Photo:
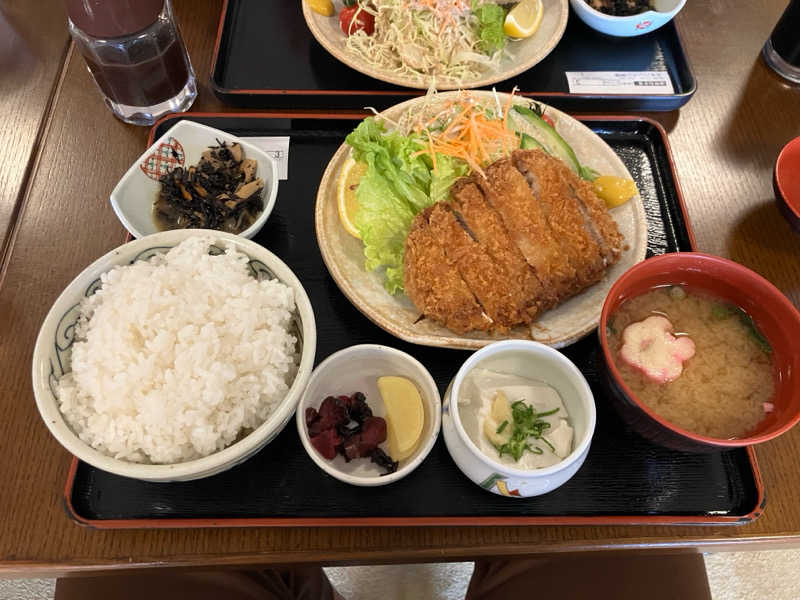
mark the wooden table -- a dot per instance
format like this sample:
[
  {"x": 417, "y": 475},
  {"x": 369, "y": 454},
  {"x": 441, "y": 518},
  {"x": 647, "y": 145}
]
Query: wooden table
[{"x": 725, "y": 142}]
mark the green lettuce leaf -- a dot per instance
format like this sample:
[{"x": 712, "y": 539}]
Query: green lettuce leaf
[
  {"x": 395, "y": 188},
  {"x": 448, "y": 169},
  {"x": 489, "y": 27}
]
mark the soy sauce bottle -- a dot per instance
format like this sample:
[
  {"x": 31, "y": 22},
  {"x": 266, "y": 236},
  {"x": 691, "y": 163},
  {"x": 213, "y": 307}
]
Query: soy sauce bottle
[{"x": 135, "y": 53}]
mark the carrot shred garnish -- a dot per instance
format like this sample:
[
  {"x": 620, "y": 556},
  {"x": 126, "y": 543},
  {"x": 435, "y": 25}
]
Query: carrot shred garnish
[{"x": 469, "y": 135}]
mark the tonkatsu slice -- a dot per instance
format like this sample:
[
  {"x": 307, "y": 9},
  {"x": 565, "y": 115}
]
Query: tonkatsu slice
[
  {"x": 433, "y": 283},
  {"x": 487, "y": 280},
  {"x": 508, "y": 193},
  {"x": 571, "y": 224},
  {"x": 487, "y": 227}
]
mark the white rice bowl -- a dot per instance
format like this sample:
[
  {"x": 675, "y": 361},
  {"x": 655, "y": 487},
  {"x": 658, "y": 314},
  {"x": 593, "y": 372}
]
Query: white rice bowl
[
  {"x": 176, "y": 355},
  {"x": 179, "y": 365}
]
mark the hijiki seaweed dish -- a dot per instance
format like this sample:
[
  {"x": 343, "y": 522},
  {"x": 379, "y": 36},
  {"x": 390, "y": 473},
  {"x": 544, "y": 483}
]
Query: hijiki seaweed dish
[
  {"x": 620, "y": 8},
  {"x": 221, "y": 192}
]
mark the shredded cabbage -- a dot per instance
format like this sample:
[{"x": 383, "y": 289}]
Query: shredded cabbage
[{"x": 442, "y": 39}]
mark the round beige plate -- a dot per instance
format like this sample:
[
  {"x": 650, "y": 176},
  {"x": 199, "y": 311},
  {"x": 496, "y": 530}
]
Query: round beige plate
[
  {"x": 522, "y": 54},
  {"x": 344, "y": 255}
]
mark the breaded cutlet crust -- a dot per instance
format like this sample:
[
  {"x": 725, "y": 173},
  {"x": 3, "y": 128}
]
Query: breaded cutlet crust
[
  {"x": 571, "y": 225},
  {"x": 488, "y": 281},
  {"x": 508, "y": 193},
  {"x": 433, "y": 283},
  {"x": 599, "y": 221},
  {"x": 487, "y": 226}
]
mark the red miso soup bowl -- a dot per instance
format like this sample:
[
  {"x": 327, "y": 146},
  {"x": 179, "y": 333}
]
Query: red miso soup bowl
[
  {"x": 774, "y": 315},
  {"x": 786, "y": 181}
]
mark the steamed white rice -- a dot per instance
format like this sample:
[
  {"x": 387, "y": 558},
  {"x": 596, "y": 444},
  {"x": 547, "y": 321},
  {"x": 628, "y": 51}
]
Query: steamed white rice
[{"x": 177, "y": 356}]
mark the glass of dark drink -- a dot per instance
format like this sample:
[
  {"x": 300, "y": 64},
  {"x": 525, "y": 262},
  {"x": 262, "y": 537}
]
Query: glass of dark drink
[
  {"x": 782, "y": 50},
  {"x": 135, "y": 53}
]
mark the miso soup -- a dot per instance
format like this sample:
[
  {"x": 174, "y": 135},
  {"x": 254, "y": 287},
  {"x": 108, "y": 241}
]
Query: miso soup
[{"x": 725, "y": 385}]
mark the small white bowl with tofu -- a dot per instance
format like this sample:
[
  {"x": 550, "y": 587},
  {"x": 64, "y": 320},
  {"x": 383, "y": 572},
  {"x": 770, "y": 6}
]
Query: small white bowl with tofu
[
  {"x": 250, "y": 182},
  {"x": 518, "y": 418}
]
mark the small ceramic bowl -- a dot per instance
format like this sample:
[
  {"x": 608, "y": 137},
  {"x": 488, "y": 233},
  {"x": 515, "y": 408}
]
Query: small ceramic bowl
[
  {"x": 535, "y": 361},
  {"x": 629, "y": 26},
  {"x": 776, "y": 318},
  {"x": 53, "y": 351},
  {"x": 182, "y": 146},
  {"x": 786, "y": 181},
  {"x": 356, "y": 369}
]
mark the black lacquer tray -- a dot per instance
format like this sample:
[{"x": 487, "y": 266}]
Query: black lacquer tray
[
  {"x": 266, "y": 57},
  {"x": 625, "y": 479}
]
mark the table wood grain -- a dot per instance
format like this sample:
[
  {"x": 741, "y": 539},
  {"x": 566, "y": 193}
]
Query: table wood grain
[
  {"x": 724, "y": 141},
  {"x": 33, "y": 41}
]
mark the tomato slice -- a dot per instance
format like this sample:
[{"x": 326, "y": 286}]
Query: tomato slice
[{"x": 353, "y": 18}]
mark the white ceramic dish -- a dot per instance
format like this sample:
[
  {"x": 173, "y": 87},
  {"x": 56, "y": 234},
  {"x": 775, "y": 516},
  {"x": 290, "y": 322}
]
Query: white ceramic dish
[
  {"x": 521, "y": 55},
  {"x": 571, "y": 320},
  {"x": 184, "y": 143},
  {"x": 356, "y": 369},
  {"x": 633, "y": 25},
  {"x": 534, "y": 361},
  {"x": 52, "y": 355}
]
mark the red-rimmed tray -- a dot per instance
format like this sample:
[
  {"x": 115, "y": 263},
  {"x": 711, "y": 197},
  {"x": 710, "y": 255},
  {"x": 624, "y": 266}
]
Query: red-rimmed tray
[{"x": 625, "y": 480}]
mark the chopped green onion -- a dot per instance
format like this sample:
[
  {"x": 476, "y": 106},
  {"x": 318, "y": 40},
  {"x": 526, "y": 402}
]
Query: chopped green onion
[
  {"x": 720, "y": 312},
  {"x": 526, "y": 423},
  {"x": 757, "y": 336}
]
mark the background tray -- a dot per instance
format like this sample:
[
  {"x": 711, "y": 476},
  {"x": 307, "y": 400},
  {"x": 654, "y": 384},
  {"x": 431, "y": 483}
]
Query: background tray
[
  {"x": 625, "y": 479},
  {"x": 266, "y": 57}
]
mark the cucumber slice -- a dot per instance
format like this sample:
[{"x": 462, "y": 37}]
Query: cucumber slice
[
  {"x": 527, "y": 142},
  {"x": 533, "y": 126}
]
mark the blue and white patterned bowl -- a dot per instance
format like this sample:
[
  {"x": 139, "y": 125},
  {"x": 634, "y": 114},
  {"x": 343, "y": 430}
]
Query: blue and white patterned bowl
[
  {"x": 52, "y": 357},
  {"x": 662, "y": 13}
]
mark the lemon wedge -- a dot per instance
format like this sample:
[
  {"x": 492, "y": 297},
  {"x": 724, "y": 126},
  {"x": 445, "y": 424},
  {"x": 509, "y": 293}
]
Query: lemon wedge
[
  {"x": 351, "y": 174},
  {"x": 405, "y": 415},
  {"x": 322, "y": 7},
  {"x": 615, "y": 191},
  {"x": 524, "y": 19}
]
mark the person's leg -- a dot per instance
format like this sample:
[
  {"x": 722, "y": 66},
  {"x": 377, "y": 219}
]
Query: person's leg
[
  {"x": 595, "y": 575},
  {"x": 290, "y": 583}
]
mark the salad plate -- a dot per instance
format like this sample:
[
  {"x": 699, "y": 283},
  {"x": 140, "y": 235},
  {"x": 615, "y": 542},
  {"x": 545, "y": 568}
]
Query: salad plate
[
  {"x": 571, "y": 320},
  {"x": 518, "y": 56}
]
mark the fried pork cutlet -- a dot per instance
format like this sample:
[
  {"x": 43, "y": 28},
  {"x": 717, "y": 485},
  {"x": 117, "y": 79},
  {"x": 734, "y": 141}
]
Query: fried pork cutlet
[
  {"x": 508, "y": 246},
  {"x": 487, "y": 227},
  {"x": 508, "y": 193},
  {"x": 570, "y": 223},
  {"x": 604, "y": 224},
  {"x": 487, "y": 280},
  {"x": 433, "y": 283},
  {"x": 598, "y": 220}
]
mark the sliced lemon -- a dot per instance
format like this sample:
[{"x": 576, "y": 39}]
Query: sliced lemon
[
  {"x": 351, "y": 174},
  {"x": 616, "y": 191},
  {"x": 322, "y": 7},
  {"x": 524, "y": 19},
  {"x": 405, "y": 415}
]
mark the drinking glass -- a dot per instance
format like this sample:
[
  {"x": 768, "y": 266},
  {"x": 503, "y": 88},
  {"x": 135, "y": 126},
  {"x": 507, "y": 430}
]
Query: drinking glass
[
  {"x": 135, "y": 53},
  {"x": 782, "y": 50}
]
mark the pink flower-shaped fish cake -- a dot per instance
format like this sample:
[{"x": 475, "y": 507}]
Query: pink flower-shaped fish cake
[{"x": 650, "y": 347}]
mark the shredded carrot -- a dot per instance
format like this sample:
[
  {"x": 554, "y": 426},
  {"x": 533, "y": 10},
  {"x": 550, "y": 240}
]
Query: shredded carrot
[
  {"x": 469, "y": 135},
  {"x": 431, "y": 150}
]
